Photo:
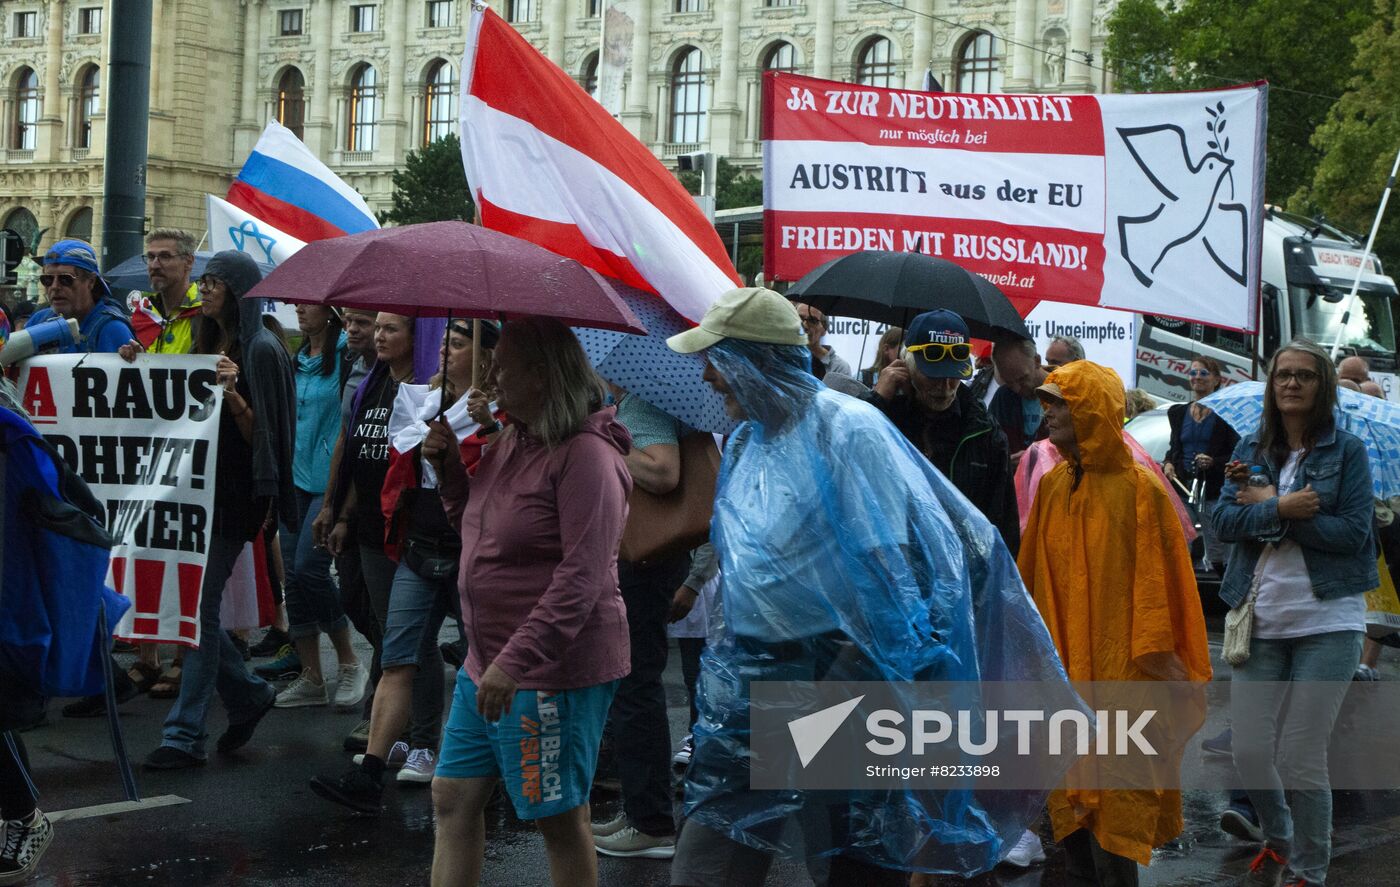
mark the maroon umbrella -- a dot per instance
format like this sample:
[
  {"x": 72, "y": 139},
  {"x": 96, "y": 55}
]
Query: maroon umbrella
[{"x": 447, "y": 268}]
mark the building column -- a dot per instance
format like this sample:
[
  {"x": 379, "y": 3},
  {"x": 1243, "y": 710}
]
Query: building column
[
  {"x": 320, "y": 126},
  {"x": 725, "y": 115},
  {"x": 1024, "y": 56},
  {"x": 637, "y": 115},
  {"x": 392, "y": 143},
  {"x": 1079, "y": 76},
  {"x": 826, "y": 26},
  {"x": 558, "y": 25},
  {"x": 245, "y": 133},
  {"x": 48, "y": 135},
  {"x": 923, "y": 44}
]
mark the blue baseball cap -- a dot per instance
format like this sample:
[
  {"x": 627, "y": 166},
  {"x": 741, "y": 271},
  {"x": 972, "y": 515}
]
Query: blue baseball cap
[
  {"x": 77, "y": 254},
  {"x": 950, "y": 354}
]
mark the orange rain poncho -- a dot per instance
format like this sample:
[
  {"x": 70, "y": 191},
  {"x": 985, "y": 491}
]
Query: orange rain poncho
[{"x": 1105, "y": 560}]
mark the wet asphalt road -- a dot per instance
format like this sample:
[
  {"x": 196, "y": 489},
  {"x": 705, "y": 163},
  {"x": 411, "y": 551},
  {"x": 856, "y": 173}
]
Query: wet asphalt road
[{"x": 250, "y": 818}]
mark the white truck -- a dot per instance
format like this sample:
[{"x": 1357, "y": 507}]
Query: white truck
[{"x": 1308, "y": 268}]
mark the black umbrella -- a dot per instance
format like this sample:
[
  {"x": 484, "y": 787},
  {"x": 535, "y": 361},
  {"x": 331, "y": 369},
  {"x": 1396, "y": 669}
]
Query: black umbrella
[{"x": 890, "y": 287}]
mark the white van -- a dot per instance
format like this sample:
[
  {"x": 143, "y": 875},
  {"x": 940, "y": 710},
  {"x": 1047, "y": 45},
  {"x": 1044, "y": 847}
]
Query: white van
[{"x": 1307, "y": 268}]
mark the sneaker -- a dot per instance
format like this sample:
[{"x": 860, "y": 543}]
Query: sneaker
[
  {"x": 357, "y": 740},
  {"x": 419, "y": 769},
  {"x": 350, "y": 685},
  {"x": 398, "y": 756},
  {"x": 271, "y": 644},
  {"x": 302, "y": 692},
  {"x": 1027, "y": 852},
  {"x": 1241, "y": 821},
  {"x": 1219, "y": 744},
  {"x": 169, "y": 758},
  {"x": 628, "y": 842},
  {"x": 237, "y": 735},
  {"x": 1366, "y": 673},
  {"x": 682, "y": 756},
  {"x": 25, "y": 843},
  {"x": 1266, "y": 870},
  {"x": 611, "y": 827},
  {"x": 355, "y": 790},
  {"x": 285, "y": 667}
]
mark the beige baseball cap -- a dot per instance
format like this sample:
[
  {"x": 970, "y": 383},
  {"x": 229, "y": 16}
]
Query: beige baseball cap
[{"x": 752, "y": 314}]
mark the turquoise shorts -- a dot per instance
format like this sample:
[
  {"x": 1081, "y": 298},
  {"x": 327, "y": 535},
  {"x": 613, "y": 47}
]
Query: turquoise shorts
[{"x": 545, "y": 747}]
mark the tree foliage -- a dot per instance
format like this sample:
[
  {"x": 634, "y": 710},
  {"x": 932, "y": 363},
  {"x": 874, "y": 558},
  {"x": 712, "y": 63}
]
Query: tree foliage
[
  {"x": 432, "y": 186},
  {"x": 1360, "y": 136},
  {"x": 733, "y": 187},
  {"x": 1304, "y": 48}
]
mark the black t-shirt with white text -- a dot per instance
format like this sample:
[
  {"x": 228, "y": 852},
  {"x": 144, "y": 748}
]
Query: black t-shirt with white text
[{"x": 369, "y": 453}]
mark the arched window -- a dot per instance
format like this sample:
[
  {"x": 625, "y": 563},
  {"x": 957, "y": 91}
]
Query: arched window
[
  {"x": 80, "y": 225},
  {"x": 780, "y": 57},
  {"x": 876, "y": 66},
  {"x": 690, "y": 97},
  {"x": 23, "y": 223},
  {"x": 364, "y": 109},
  {"x": 291, "y": 100},
  {"x": 588, "y": 76},
  {"x": 440, "y": 102},
  {"x": 88, "y": 85},
  {"x": 26, "y": 110},
  {"x": 979, "y": 68}
]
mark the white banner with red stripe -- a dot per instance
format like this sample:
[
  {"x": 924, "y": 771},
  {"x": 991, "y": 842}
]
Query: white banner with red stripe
[
  {"x": 145, "y": 438},
  {"x": 1148, "y": 203},
  {"x": 548, "y": 164}
]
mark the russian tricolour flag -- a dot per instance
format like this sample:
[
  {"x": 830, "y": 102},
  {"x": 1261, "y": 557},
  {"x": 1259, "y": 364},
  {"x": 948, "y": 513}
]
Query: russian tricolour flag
[
  {"x": 284, "y": 184},
  {"x": 548, "y": 164}
]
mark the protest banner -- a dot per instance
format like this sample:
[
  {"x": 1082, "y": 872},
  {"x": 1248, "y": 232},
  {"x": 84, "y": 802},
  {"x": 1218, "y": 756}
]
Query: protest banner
[
  {"x": 1109, "y": 337},
  {"x": 1150, "y": 203},
  {"x": 145, "y": 438}
]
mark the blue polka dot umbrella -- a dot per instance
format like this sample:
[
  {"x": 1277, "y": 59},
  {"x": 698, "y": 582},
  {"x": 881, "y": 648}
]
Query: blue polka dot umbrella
[
  {"x": 643, "y": 365},
  {"x": 1375, "y": 421}
]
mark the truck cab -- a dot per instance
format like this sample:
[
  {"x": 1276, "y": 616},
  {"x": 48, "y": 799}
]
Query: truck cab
[{"x": 1307, "y": 270}]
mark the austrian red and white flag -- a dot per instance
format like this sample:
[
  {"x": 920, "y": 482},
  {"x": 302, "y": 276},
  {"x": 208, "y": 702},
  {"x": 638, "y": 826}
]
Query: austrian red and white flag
[
  {"x": 548, "y": 164},
  {"x": 1148, "y": 203}
]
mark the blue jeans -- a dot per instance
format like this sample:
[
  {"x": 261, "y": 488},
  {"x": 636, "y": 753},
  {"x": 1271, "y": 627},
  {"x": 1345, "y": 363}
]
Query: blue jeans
[
  {"x": 215, "y": 664},
  {"x": 417, "y": 608},
  {"x": 1281, "y": 732},
  {"x": 313, "y": 601}
]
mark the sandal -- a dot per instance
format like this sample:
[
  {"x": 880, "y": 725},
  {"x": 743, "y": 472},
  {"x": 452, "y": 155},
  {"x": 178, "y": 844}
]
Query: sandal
[
  {"x": 144, "y": 675},
  {"x": 168, "y": 687}
]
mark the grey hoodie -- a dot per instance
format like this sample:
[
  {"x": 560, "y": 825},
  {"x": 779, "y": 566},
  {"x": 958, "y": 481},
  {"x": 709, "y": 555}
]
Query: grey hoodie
[{"x": 268, "y": 369}]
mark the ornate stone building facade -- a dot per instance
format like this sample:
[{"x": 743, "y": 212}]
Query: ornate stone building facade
[{"x": 366, "y": 81}]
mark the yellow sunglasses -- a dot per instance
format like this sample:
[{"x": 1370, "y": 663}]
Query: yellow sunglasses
[{"x": 936, "y": 351}]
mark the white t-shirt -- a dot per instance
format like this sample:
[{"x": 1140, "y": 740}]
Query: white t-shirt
[{"x": 1286, "y": 606}]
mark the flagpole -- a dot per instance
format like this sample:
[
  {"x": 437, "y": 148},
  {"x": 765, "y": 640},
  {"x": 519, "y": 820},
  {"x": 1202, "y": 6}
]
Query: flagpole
[{"x": 1361, "y": 265}]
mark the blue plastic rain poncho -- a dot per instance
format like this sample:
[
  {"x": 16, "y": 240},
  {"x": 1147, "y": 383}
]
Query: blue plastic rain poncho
[{"x": 846, "y": 556}]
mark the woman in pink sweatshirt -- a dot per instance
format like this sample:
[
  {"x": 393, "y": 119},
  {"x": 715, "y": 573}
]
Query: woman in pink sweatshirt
[{"x": 546, "y": 628}]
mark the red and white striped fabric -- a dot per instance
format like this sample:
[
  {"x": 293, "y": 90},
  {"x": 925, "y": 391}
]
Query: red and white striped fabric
[{"x": 548, "y": 164}]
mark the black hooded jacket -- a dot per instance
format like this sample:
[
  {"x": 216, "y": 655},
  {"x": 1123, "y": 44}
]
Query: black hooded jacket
[
  {"x": 267, "y": 367},
  {"x": 969, "y": 448}
]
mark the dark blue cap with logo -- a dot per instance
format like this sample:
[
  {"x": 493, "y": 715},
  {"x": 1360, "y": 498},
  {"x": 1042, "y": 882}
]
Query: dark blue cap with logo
[{"x": 944, "y": 328}]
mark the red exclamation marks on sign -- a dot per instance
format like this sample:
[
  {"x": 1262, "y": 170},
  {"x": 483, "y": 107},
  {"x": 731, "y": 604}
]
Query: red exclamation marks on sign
[
  {"x": 191, "y": 576},
  {"x": 150, "y": 576}
]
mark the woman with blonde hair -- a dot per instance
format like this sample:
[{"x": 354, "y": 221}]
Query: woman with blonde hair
[{"x": 886, "y": 353}]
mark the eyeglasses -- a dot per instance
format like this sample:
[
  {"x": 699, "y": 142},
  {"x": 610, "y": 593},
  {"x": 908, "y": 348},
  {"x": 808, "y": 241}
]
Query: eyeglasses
[
  {"x": 48, "y": 280},
  {"x": 208, "y": 283},
  {"x": 936, "y": 351},
  {"x": 1196, "y": 374},
  {"x": 162, "y": 258},
  {"x": 1302, "y": 377},
  {"x": 811, "y": 321}
]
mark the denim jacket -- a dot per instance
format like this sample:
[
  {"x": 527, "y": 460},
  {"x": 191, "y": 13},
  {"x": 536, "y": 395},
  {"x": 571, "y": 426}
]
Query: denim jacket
[{"x": 1338, "y": 542}]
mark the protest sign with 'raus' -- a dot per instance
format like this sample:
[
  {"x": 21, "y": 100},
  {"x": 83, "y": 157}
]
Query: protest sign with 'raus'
[
  {"x": 1150, "y": 203},
  {"x": 145, "y": 438}
]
